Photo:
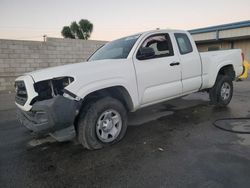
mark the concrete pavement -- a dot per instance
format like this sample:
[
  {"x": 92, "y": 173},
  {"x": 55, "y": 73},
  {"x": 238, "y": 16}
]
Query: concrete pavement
[{"x": 173, "y": 144}]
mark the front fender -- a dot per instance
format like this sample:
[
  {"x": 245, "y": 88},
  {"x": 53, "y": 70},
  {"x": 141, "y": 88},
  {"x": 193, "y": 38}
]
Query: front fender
[{"x": 82, "y": 91}]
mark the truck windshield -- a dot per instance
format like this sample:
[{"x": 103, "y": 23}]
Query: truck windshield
[{"x": 117, "y": 49}]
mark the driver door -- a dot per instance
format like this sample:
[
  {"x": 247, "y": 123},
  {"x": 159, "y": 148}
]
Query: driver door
[{"x": 159, "y": 76}]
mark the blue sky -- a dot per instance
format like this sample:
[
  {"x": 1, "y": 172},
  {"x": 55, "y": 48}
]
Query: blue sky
[{"x": 30, "y": 19}]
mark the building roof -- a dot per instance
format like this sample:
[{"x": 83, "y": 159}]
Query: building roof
[{"x": 234, "y": 25}]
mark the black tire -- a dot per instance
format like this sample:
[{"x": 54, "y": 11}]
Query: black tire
[
  {"x": 215, "y": 92},
  {"x": 87, "y": 124}
]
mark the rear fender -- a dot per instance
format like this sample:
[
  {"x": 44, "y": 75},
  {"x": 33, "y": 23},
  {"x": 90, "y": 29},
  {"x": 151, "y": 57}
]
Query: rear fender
[{"x": 214, "y": 74}]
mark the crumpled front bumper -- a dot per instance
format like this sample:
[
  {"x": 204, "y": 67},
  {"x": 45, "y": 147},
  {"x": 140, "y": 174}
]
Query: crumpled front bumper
[{"x": 55, "y": 115}]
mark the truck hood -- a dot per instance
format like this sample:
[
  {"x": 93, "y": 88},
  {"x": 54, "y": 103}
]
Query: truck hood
[
  {"x": 89, "y": 76},
  {"x": 75, "y": 70}
]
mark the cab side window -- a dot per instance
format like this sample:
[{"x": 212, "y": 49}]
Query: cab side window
[
  {"x": 161, "y": 45},
  {"x": 184, "y": 43}
]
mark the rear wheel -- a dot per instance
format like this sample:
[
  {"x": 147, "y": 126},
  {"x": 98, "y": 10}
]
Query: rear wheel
[
  {"x": 222, "y": 91},
  {"x": 102, "y": 123}
]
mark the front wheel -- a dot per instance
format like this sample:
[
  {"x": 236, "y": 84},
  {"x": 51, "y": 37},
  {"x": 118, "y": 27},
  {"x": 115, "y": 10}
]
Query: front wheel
[
  {"x": 222, "y": 91},
  {"x": 102, "y": 123}
]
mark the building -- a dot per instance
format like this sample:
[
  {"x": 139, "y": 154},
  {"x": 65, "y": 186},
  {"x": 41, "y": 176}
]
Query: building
[{"x": 226, "y": 36}]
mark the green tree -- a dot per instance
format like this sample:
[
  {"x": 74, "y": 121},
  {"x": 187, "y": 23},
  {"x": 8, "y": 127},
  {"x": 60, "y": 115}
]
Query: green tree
[
  {"x": 66, "y": 32},
  {"x": 75, "y": 29},
  {"x": 80, "y": 30},
  {"x": 86, "y": 28}
]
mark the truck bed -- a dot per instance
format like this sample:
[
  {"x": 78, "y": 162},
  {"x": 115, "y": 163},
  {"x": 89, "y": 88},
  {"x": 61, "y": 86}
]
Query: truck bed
[{"x": 215, "y": 59}]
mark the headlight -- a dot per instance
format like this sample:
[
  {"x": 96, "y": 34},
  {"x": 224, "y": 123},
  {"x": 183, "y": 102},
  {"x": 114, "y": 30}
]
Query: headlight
[{"x": 49, "y": 88}]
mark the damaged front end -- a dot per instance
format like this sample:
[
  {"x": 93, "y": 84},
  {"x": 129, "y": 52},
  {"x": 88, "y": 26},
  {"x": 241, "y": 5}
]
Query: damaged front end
[
  {"x": 47, "y": 107},
  {"x": 48, "y": 89}
]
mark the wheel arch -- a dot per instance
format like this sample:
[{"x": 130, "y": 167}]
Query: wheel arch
[
  {"x": 118, "y": 92},
  {"x": 225, "y": 69}
]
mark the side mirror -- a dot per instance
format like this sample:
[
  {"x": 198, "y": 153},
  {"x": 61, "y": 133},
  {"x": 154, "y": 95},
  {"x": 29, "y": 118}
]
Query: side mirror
[{"x": 145, "y": 53}]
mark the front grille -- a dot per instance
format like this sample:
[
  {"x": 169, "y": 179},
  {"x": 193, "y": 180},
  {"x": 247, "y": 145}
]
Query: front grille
[{"x": 21, "y": 93}]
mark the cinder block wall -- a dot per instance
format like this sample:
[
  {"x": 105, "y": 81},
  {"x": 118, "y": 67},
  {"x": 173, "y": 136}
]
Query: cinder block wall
[{"x": 18, "y": 57}]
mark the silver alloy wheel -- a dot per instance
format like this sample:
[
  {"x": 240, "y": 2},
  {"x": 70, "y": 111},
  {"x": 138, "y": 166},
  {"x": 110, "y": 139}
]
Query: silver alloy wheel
[
  {"x": 225, "y": 91},
  {"x": 109, "y": 126}
]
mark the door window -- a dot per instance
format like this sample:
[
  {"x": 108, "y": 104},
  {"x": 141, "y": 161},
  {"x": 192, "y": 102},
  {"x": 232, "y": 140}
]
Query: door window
[{"x": 161, "y": 44}]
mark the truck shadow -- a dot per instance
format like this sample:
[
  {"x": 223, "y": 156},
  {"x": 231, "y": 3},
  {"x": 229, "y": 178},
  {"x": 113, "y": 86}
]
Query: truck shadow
[
  {"x": 168, "y": 108},
  {"x": 156, "y": 133},
  {"x": 173, "y": 115},
  {"x": 160, "y": 119}
]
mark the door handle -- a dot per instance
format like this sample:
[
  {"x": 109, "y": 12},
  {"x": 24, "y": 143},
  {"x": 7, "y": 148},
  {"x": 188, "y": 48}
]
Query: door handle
[{"x": 174, "y": 63}]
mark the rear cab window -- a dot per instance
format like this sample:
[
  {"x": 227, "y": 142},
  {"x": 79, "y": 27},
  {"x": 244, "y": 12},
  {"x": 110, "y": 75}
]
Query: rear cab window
[{"x": 183, "y": 43}]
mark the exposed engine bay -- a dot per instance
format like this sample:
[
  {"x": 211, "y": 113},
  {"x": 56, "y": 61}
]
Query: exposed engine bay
[{"x": 50, "y": 88}]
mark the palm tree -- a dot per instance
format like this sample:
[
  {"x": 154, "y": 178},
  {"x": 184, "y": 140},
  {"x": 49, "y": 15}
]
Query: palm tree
[
  {"x": 86, "y": 28},
  {"x": 82, "y": 30},
  {"x": 66, "y": 32}
]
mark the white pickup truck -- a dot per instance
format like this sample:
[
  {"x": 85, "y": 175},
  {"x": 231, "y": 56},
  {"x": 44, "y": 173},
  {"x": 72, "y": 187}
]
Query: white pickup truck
[{"x": 90, "y": 100}]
